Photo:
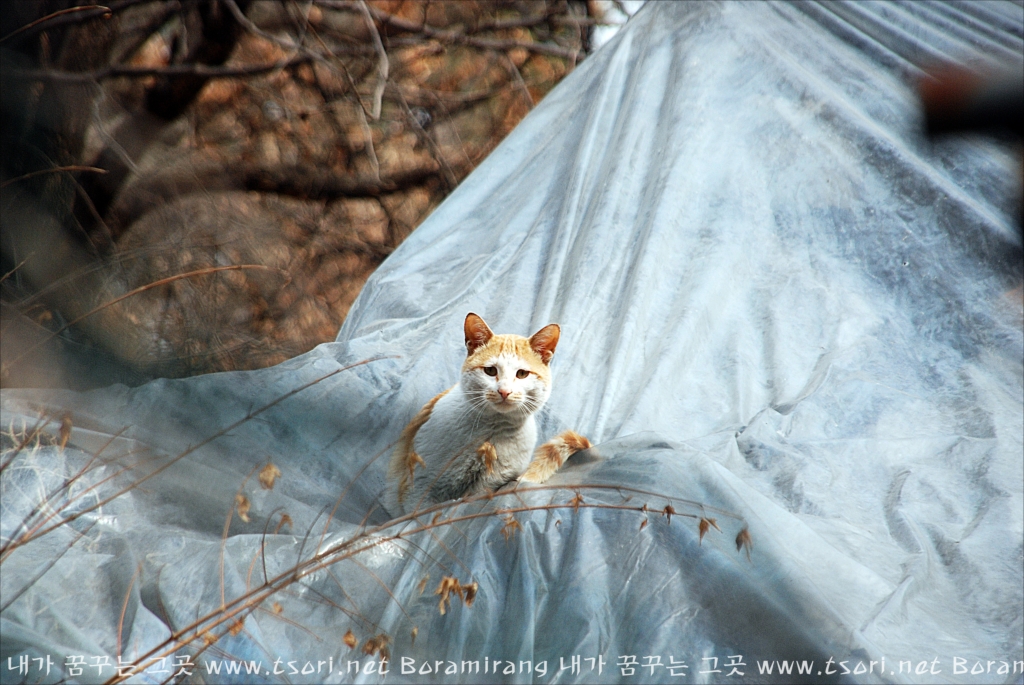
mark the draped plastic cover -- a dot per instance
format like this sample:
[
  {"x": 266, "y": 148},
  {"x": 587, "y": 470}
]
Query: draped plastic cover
[{"x": 781, "y": 309}]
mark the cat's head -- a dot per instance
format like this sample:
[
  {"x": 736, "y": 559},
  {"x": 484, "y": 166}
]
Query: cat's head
[{"x": 508, "y": 373}]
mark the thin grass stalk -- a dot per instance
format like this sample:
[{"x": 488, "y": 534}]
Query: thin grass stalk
[{"x": 248, "y": 417}]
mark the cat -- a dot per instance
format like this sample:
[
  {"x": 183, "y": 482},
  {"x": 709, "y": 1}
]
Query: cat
[{"x": 480, "y": 434}]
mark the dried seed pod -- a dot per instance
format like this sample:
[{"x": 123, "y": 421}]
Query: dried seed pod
[
  {"x": 668, "y": 511},
  {"x": 705, "y": 525},
  {"x": 65, "y": 430},
  {"x": 469, "y": 593},
  {"x": 510, "y": 527},
  {"x": 268, "y": 474},
  {"x": 242, "y": 506},
  {"x": 286, "y": 520},
  {"x": 378, "y": 644},
  {"x": 448, "y": 586},
  {"x": 744, "y": 541}
]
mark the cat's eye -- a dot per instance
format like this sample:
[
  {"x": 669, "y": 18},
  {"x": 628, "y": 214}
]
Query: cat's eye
[
  {"x": 522, "y": 373},
  {"x": 491, "y": 370}
]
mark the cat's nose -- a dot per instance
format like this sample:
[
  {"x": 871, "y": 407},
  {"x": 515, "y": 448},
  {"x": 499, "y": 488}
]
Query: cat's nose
[{"x": 504, "y": 393}]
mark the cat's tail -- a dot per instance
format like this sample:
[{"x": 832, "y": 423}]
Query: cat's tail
[{"x": 550, "y": 456}]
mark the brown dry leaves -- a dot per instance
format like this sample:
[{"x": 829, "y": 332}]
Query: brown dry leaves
[
  {"x": 668, "y": 511},
  {"x": 450, "y": 586},
  {"x": 378, "y": 644},
  {"x": 744, "y": 542},
  {"x": 65, "y": 430},
  {"x": 510, "y": 527},
  {"x": 268, "y": 474},
  {"x": 705, "y": 525},
  {"x": 286, "y": 520},
  {"x": 242, "y": 506}
]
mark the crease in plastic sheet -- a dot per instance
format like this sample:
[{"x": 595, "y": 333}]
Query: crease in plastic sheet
[{"x": 780, "y": 309}]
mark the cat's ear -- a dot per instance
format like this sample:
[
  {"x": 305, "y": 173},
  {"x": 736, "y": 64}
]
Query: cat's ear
[
  {"x": 544, "y": 341},
  {"x": 477, "y": 333}
]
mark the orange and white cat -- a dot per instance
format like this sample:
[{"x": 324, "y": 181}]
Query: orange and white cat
[{"x": 480, "y": 434}]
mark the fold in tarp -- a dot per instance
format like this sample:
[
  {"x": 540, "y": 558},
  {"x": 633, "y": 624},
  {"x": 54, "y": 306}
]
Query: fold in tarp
[{"x": 781, "y": 309}]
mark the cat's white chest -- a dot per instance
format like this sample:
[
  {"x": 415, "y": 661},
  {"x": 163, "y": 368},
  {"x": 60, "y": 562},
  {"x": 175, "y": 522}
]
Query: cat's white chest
[
  {"x": 451, "y": 440},
  {"x": 455, "y": 425}
]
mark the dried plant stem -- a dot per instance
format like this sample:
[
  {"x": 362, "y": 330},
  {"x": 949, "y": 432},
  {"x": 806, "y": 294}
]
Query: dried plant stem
[
  {"x": 64, "y": 487},
  {"x": 53, "y": 170},
  {"x": 11, "y": 272},
  {"x": 382, "y": 584},
  {"x": 227, "y": 527},
  {"x": 33, "y": 532},
  {"x": 26, "y": 439},
  {"x": 344, "y": 491},
  {"x": 248, "y": 417},
  {"x": 124, "y": 607},
  {"x": 249, "y": 601},
  {"x": 95, "y": 11},
  {"x": 46, "y": 567}
]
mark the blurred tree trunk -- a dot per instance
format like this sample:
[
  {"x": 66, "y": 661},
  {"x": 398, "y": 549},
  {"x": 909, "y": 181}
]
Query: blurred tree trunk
[{"x": 303, "y": 138}]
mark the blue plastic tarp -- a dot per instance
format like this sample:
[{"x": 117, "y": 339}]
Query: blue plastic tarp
[{"x": 781, "y": 308}]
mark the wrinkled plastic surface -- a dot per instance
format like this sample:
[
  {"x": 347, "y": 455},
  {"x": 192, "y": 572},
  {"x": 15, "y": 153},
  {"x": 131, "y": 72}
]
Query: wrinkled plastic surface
[{"x": 779, "y": 307}]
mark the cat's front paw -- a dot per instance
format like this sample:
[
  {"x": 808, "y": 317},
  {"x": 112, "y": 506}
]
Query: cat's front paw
[
  {"x": 550, "y": 456},
  {"x": 538, "y": 471}
]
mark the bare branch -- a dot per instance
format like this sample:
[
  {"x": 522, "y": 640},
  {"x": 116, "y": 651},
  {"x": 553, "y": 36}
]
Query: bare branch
[
  {"x": 115, "y": 71},
  {"x": 27, "y": 29},
  {"x": 52, "y": 170},
  {"x": 520, "y": 83},
  {"x": 303, "y": 181},
  {"x": 488, "y": 43},
  {"x": 421, "y": 31},
  {"x": 383, "y": 65},
  {"x": 295, "y": 47}
]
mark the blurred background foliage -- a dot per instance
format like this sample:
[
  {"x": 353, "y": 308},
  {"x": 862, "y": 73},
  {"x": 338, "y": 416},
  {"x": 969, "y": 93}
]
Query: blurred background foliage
[{"x": 192, "y": 186}]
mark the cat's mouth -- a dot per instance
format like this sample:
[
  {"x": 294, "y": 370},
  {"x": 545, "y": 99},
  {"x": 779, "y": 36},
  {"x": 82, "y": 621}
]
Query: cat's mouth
[{"x": 504, "y": 404}]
